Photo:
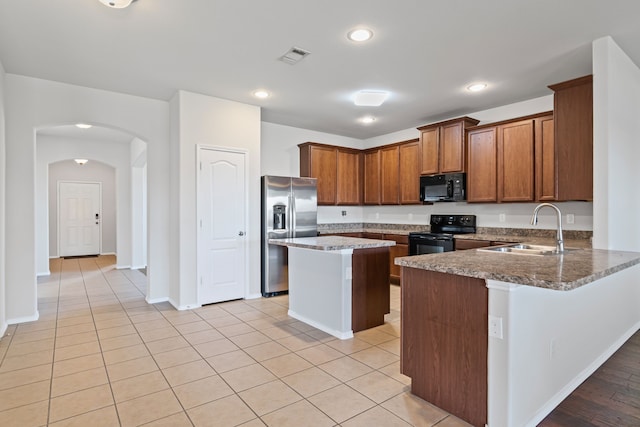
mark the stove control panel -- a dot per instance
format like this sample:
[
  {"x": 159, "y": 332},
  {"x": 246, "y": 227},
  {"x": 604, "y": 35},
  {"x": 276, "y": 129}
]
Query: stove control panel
[{"x": 453, "y": 223}]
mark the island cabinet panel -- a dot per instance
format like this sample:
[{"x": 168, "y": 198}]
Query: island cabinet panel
[
  {"x": 546, "y": 188},
  {"x": 369, "y": 288},
  {"x": 573, "y": 123},
  {"x": 410, "y": 173},
  {"x": 482, "y": 170},
  {"x": 372, "y": 177},
  {"x": 389, "y": 175},
  {"x": 444, "y": 341},
  {"x": 516, "y": 162}
]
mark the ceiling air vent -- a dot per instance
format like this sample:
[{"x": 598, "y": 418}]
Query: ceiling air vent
[{"x": 294, "y": 55}]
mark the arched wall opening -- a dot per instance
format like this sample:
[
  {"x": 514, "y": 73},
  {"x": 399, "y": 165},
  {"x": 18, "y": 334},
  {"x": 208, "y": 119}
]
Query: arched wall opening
[{"x": 124, "y": 216}]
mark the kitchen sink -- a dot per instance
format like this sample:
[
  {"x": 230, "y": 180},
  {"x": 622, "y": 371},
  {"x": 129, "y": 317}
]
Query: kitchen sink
[{"x": 524, "y": 249}]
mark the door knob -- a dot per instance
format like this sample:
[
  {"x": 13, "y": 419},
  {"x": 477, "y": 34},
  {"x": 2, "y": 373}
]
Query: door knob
[{"x": 240, "y": 233}]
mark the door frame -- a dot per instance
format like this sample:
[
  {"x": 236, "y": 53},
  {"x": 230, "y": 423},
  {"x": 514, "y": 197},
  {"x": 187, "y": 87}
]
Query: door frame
[
  {"x": 65, "y": 181},
  {"x": 247, "y": 235}
]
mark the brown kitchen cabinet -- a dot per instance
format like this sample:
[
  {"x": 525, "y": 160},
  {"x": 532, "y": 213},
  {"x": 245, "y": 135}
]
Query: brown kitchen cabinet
[
  {"x": 389, "y": 175},
  {"x": 337, "y": 169},
  {"x": 465, "y": 244},
  {"x": 409, "y": 172},
  {"x": 399, "y": 250},
  {"x": 482, "y": 173},
  {"x": 545, "y": 159},
  {"x": 516, "y": 161},
  {"x": 443, "y": 146},
  {"x": 371, "y": 181},
  {"x": 573, "y": 140},
  {"x": 504, "y": 159}
]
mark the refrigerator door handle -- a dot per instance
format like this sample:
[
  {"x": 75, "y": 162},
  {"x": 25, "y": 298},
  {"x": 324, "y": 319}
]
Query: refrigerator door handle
[{"x": 292, "y": 216}]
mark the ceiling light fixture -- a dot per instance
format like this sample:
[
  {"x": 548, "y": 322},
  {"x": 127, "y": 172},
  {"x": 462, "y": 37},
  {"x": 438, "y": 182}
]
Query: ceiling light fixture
[
  {"x": 477, "y": 87},
  {"x": 117, "y": 4},
  {"x": 262, "y": 94},
  {"x": 83, "y": 126},
  {"x": 368, "y": 119},
  {"x": 370, "y": 98},
  {"x": 81, "y": 162},
  {"x": 360, "y": 35}
]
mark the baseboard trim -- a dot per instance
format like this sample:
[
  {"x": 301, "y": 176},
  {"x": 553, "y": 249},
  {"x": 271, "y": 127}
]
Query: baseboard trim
[
  {"x": 123, "y": 267},
  {"x": 156, "y": 300},
  {"x": 3, "y": 329},
  {"x": 253, "y": 296},
  {"x": 338, "y": 334},
  {"x": 138, "y": 267},
  {"x": 183, "y": 307},
  {"x": 43, "y": 273},
  {"x": 24, "y": 319}
]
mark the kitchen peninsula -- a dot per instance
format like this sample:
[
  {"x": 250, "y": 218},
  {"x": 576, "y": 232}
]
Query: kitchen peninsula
[
  {"x": 338, "y": 284},
  {"x": 501, "y": 339}
]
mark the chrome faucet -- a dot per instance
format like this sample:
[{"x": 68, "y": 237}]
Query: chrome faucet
[{"x": 534, "y": 221}]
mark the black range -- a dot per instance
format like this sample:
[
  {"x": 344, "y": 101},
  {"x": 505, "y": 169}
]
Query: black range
[{"x": 440, "y": 238}]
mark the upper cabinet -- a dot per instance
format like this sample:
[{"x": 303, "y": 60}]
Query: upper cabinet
[
  {"x": 443, "y": 146},
  {"x": 505, "y": 159},
  {"x": 410, "y": 173},
  {"x": 389, "y": 175},
  {"x": 337, "y": 169},
  {"x": 392, "y": 174},
  {"x": 573, "y": 139}
]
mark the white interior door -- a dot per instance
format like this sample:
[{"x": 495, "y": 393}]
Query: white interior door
[
  {"x": 79, "y": 218},
  {"x": 221, "y": 225}
]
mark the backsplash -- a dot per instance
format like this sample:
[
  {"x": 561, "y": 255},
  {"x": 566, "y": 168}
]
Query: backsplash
[{"x": 356, "y": 227}]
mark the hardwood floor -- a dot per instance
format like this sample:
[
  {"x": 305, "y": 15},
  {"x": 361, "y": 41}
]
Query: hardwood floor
[{"x": 610, "y": 397}]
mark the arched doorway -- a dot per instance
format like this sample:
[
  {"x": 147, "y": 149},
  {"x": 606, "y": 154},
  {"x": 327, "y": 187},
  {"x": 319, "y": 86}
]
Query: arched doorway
[{"x": 56, "y": 147}]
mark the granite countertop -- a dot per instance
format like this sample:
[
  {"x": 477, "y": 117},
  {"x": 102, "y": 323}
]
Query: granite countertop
[
  {"x": 558, "y": 272},
  {"x": 531, "y": 240},
  {"x": 331, "y": 243}
]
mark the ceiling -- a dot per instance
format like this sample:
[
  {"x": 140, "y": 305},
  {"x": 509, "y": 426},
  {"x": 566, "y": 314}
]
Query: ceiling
[{"x": 424, "y": 52}]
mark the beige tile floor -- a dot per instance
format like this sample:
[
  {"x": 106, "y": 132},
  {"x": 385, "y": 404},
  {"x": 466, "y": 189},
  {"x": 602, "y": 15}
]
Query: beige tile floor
[{"x": 100, "y": 355}]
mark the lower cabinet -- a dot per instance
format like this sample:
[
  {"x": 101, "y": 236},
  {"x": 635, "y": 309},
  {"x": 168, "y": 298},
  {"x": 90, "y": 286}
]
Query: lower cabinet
[
  {"x": 399, "y": 250},
  {"x": 464, "y": 244}
]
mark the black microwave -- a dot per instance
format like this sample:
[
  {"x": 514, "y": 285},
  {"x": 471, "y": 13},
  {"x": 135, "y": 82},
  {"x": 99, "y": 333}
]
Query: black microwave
[{"x": 449, "y": 187}]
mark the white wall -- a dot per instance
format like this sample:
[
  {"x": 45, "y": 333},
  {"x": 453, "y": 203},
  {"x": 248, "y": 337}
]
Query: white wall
[
  {"x": 280, "y": 156},
  {"x": 552, "y": 341},
  {"x": 203, "y": 120},
  {"x": 32, "y": 104},
  {"x": 138, "y": 203},
  {"x": 92, "y": 171},
  {"x": 616, "y": 126},
  {"x": 3, "y": 312}
]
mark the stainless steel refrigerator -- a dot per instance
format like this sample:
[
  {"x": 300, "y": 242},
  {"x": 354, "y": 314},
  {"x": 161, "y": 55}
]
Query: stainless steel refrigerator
[{"x": 289, "y": 209}]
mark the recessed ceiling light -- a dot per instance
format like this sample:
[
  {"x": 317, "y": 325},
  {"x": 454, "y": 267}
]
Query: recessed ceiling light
[
  {"x": 477, "y": 87},
  {"x": 83, "y": 126},
  {"x": 368, "y": 119},
  {"x": 262, "y": 94},
  {"x": 81, "y": 162},
  {"x": 117, "y": 4},
  {"x": 370, "y": 98},
  {"x": 360, "y": 35}
]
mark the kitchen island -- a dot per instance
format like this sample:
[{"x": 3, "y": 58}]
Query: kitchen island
[
  {"x": 338, "y": 284},
  {"x": 501, "y": 339}
]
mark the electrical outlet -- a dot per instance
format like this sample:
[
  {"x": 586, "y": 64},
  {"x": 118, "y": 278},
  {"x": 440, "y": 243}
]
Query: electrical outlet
[
  {"x": 495, "y": 327},
  {"x": 571, "y": 218},
  {"x": 502, "y": 217},
  {"x": 344, "y": 213}
]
